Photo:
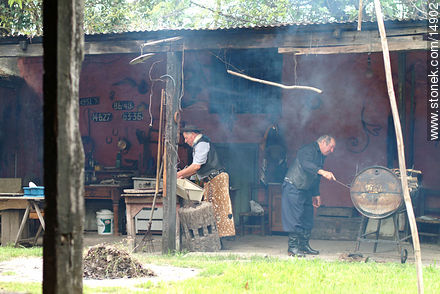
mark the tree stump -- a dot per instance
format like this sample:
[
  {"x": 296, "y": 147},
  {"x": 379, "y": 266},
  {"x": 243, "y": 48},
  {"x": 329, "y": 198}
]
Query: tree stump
[{"x": 199, "y": 230}]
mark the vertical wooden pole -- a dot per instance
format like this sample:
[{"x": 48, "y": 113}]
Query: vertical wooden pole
[
  {"x": 173, "y": 85},
  {"x": 400, "y": 147},
  {"x": 412, "y": 110},
  {"x": 63, "y": 152},
  {"x": 361, "y": 7},
  {"x": 402, "y": 92}
]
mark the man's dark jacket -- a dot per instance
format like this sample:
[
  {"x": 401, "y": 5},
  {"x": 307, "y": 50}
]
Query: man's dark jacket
[{"x": 304, "y": 171}]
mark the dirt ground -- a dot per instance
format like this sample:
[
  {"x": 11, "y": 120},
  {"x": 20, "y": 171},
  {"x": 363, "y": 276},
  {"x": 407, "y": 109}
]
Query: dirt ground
[
  {"x": 276, "y": 245},
  {"x": 30, "y": 269}
]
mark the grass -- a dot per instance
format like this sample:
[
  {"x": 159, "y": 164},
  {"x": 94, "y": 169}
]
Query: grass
[
  {"x": 262, "y": 275},
  {"x": 10, "y": 252},
  {"x": 13, "y": 287},
  {"x": 235, "y": 274}
]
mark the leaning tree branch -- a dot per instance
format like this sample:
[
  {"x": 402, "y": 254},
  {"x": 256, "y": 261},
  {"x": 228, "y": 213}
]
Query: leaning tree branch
[
  {"x": 400, "y": 147},
  {"x": 273, "y": 83}
]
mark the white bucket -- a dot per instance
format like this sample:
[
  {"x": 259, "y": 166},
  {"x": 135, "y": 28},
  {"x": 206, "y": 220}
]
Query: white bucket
[{"x": 104, "y": 220}]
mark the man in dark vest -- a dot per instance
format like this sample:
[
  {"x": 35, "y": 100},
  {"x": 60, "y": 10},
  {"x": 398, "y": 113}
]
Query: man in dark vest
[
  {"x": 208, "y": 169},
  {"x": 301, "y": 193}
]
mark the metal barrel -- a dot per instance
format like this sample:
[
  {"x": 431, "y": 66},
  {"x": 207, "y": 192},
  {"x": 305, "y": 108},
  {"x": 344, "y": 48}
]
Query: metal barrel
[{"x": 376, "y": 192}]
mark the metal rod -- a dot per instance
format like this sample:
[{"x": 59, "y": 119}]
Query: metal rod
[{"x": 346, "y": 186}]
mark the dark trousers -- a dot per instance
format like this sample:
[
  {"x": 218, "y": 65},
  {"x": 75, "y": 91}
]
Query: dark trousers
[{"x": 296, "y": 209}]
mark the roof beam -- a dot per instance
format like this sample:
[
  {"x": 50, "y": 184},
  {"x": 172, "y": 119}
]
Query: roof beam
[{"x": 394, "y": 44}]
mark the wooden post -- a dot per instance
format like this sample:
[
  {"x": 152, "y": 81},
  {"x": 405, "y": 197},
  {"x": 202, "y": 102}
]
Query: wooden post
[
  {"x": 402, "y": 92},
  {"x": 412, "y": 110},
  {"x": 400, "y": 147},
  {"x": 63, "y": 151},
  {"x": 361, "y": 7},
  {"x": 173, "y": 78}
]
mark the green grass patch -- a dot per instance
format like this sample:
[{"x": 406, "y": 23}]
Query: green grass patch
[
  {"x": 10, "y": 252},
  {"x": 13, "y": 287},
  {"x": 229, "y": 274},
  {"x": 235, "y": 274}
]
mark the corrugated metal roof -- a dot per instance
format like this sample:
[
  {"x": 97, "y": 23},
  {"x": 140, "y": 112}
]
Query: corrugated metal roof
[
  {"x": 171, "y": 31},
  {"x": 269, "y": 26}
]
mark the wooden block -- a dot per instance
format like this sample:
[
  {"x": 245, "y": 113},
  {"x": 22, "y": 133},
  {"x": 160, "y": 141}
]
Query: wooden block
[
  {"x": 11, "y": 220},
  {"x": 335, "y": 211},
  {"x": 10, "y": 185},
  {"x": 34, "y": 214}
]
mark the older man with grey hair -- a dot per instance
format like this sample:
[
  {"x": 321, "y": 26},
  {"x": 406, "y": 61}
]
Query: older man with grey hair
[{"x": 301, "y": 193}]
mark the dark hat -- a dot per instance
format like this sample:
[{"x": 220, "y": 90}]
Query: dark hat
[{"x": 190, "y": 128}]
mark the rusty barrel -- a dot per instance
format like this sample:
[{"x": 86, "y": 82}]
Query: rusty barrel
[{"x": 376, "y": 192}]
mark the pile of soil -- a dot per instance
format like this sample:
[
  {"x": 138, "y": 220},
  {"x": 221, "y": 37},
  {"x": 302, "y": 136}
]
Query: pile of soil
[{"x": 107, "y": 262}]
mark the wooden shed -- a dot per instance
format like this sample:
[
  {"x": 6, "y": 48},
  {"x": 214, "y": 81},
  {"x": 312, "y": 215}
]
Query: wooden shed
[{"x": 257, "y": 128}]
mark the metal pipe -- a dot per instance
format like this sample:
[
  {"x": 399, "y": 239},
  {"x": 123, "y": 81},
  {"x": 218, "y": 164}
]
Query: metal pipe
[{"x": 346, "y": 186}]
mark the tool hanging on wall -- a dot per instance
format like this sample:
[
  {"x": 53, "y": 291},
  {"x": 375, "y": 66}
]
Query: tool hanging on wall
[{"x": 148, "y": 239}]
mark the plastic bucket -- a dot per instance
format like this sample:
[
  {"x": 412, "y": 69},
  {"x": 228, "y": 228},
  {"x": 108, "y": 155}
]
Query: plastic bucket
[{"x": 104, "y": 221}]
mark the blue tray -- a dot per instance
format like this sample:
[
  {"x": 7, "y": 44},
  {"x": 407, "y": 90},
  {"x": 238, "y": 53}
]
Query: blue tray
[{"x": 34, "y": 191}]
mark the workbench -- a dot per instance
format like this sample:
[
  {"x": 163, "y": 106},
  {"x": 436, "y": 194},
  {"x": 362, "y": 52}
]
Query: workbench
[
  {"x": 106, "y": 192},
  {"x": 135, "y": 202},
  {"x": 11, "y": 206}
]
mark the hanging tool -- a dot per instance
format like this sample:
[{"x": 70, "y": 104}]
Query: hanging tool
[{"x": 148, "y": 239}]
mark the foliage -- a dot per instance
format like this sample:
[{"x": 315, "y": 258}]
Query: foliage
[
  {"x": 106, "y": 16},
  {"x": 21, "y": 17}
]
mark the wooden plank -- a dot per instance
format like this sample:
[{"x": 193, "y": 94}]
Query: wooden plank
[
  {"x": 140, "y": 191},
  {"x": 63, "y": 150},
  {"x": 299, "y": 43},
  {"x": 6, "y": 204},
  {"x": 173, "y": 88},
  {"x": 10, "y": 224},
  {"x": 418, "y": 44},
  {"x": 11, "y": 194},
  {"x": 138, "y": 195},
  {"x": 10, "y": 185}
]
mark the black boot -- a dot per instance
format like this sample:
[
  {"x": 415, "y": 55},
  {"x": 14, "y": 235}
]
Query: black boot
[
  {"x": 305, "y": 246},
  {"x": 293, "y": 245}
]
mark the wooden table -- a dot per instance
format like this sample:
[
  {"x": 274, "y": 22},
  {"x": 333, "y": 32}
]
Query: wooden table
[
  {"x": 134, "y": 203},
  {"x": 106, "y": 192},
  {"x": 19, "y": 203}
]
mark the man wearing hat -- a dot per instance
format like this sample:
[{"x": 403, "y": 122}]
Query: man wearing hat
[{"x": 208, "y": 169}]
